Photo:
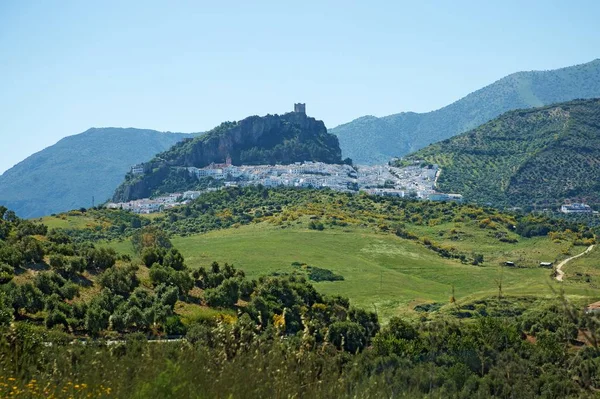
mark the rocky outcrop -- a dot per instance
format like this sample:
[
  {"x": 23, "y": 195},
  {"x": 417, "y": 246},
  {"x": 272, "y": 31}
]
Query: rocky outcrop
[{"x": 282, "y": 139}]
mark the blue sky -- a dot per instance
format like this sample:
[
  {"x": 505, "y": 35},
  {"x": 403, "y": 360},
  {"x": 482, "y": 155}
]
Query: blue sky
[{"x": 183, "y": 66}]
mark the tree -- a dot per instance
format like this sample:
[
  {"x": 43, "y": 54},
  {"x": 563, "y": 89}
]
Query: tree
[
  {"x": 96, "y": 320},
  {"x": 120, "y": 280},
  {"x": 134, "y": 318},
  {"x": 31, "y": 249},
  {"x": 152, "y": 255},
  {"x": 167, "y": 295},
  {"x": 150, "y": 237},
  {"x": 6, "y": 313},
  {"x": 29, "y": 298},
  {"x": 101, "y": 258},
  {"x": 58, "y": 263},
  {"x": 58, "y": 237},
  {"x": 367, "y": 320},
  {"x": 401, "y": 329},
  {"x": 159, "y": 274},
  {"x": 174, "y": 260},
  {"x": 56, "y": 317},
  {"x": 347, "y": 335},
  {"x": 11, "y": 255},
  {"x": 7, "y": 272},
  {"x": 225, "y": 295}
]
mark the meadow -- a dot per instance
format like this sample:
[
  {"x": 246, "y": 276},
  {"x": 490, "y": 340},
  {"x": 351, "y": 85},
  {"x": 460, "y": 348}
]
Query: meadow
[
  {"x": 392, "y": 254},
  {"x": 381, "y": 271}
]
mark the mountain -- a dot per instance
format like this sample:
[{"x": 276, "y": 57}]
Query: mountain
[
  {"x": 271, "y": 139},
  {"x": 534, "y": 157},
  {"x": 68, "y": 174},
  {"x": 376, "y": 140}
]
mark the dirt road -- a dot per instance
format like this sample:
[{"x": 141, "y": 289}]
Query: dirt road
[{"x": 559, "y": 273}]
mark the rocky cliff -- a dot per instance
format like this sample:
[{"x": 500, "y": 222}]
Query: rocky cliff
[{"x": 271, "y": 139}]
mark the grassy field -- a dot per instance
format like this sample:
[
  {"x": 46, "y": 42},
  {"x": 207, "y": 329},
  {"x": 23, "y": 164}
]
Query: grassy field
[
  {"x": 584, "y": 270},
  {"x": 526, "y": 252},
  {"x": 380, "y": 271},
  {"x": 71, "y": 220}
]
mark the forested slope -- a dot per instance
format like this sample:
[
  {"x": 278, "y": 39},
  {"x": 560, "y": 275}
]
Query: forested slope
[{"x": 537, "y": 157}]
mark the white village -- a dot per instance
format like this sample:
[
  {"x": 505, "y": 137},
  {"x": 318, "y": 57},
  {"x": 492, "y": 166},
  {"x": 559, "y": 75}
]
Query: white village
[{"x": 416, "y": 181}]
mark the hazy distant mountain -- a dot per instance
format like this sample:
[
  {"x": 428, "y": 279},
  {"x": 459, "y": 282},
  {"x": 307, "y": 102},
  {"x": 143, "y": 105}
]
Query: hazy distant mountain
[
  {"x": 534, "y": 157},
  {"x": 68, "y": 174},
  {"x": 373, "y": 140}
]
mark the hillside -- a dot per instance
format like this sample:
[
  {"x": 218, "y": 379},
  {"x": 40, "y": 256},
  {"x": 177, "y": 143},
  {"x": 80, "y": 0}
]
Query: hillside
[
  {"x": 376, "y": 140},
  {"x": 283, "y": 139},
  {"x": 537, "y": 157},
  {"x": 390, "y": 252},
  {"x": 68, "y": 174},
  {"x": 339, "y": 296}
]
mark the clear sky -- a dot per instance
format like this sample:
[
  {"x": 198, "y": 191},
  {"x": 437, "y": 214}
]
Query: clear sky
[{"x": 66, "y": 66}]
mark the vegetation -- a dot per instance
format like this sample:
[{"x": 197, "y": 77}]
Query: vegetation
[
  {"x": 257, "y": 333},
  {"x": 393, "y": 254},
  {"x": 56, "y": 277},
  {"x": 549, "y": 350},
  {"x": 533, "y": 158},
  {"x": 288, "y": 138},
  {"x": 78, "y": 168},
  {"x": 377, "y": 140}
]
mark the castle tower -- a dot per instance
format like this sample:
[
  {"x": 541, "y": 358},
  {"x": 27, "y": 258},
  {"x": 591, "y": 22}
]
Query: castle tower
[{"x": 300, "y": 108}]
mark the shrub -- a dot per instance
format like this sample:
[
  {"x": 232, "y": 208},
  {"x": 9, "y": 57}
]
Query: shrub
[
  {"x": 318, "y": 274},
  {"x": 347, "y": 335}
]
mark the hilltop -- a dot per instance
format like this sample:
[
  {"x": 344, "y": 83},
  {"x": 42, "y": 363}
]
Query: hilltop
[
  {"x": 375, "y": 140},
  {"x": 69, "y": 173},
  {"x": 537, "y": 157},
  {"x": 271, "y": 139}
]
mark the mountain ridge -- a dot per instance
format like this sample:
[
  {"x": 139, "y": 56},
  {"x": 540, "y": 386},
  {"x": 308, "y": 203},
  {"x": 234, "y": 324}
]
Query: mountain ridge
[
  {"x": 378, "y": 139},
  {"x": 69, "y": 173}
]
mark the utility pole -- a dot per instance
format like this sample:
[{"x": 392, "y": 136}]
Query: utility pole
[{"x": 93, "y": 201}]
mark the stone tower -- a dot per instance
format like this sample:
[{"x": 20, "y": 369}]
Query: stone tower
[{"x": 300, "y": 107}]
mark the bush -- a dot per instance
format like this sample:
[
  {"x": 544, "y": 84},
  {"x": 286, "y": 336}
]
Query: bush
[
  {"x": 318, "y": 274},
  {"x": 174, "y": 326},
  {"x": 347, "y": 335}
]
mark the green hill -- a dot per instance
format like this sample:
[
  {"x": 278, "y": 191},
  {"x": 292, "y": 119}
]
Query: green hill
[
  {"x": 284, "y": 139},
  {"x": 374, "y": 140},
  {"x": 68, "y": 174},
  {"x": 391, "y": 253},
  {"x": 537, "y": 157}
]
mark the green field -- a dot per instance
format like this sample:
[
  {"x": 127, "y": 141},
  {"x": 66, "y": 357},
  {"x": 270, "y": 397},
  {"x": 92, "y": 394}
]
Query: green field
[
  {"x": 380, "y": 271},
  {"x": 71, "y": 220},
  {"x": 584, "y": 270},
  {"x": 526, "y": 252}
]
